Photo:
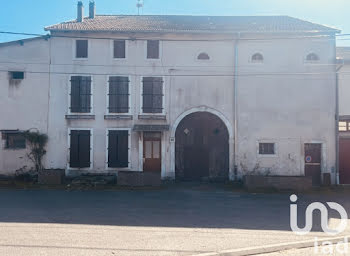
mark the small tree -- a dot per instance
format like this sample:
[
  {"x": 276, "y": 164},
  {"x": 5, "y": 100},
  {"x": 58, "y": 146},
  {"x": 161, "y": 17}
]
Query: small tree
[{"x": 37, "y": 142}]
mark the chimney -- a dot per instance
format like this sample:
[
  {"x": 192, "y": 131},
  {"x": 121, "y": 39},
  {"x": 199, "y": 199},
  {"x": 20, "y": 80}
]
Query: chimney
[
  {"x": 80, "y": 11},
  {"x": 92, "y": 9}
]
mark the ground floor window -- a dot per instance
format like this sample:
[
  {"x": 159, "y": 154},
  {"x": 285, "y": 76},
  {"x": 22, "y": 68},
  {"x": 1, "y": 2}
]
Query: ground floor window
[
  {"x": 14, "y": 140},
  {"x": 80, "y": 149},
  {"x": 118, "y": 148},
  {"x": 267, "y": 148}
]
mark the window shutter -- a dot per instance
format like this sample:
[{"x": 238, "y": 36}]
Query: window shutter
[
  {"x": 112, "y": 149},
  {"x": 80, "y": 94},
  {"x": 80, "y": 149},
  {"x": 84, "y": 149},
  {"x": 123, "y": 149},
  {"x": 147, "y": 95},
  {"x": 74, "y": 149},
  {"x": 119, "y": 94},
  {"x": 119, "y": 49},
  {"x": 157, "y": 95},
  {"x": 75, "y": 94},
  {"x": 153, "y": 49},
  {"x": 118, "y": 149},
  {"x": 82, "y": 48}
]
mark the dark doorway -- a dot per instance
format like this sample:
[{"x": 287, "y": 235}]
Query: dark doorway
[
  {"x": 344, "y": 160},
  {"x": 152, "y": 156},
  {"x": 202, "y": 148},
  {"x": 313, "y": 162}
]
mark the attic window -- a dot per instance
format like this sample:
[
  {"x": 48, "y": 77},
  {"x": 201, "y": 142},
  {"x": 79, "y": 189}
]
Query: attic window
[
  {"x": 312, "y": 57},
  {"x": 257, "y": 58},
  {"x": 203, "y": 56},
  {"x": 16, "y": 75}
]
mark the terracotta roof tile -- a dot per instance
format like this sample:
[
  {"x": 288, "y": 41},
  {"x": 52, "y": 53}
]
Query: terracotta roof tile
[{"x": 178, "y": 23}]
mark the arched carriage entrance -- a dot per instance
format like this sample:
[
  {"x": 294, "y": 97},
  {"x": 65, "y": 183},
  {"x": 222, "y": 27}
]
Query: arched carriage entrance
[{"x": 201, "y": 148}]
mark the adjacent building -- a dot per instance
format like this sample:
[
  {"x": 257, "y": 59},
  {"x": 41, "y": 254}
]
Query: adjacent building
[{"x": 189, "y": 97}]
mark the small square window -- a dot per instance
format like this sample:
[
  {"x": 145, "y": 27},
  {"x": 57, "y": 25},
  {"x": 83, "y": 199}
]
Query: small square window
[
  {"x": 343, "y": 126},
  {"x": 81, "y": 48},
  {"x": 14, "y": 140},
  {"x": 119, "y": 49},
  {"x": 266, "y": 148},
  {"x": 17, "y": 75},
  {"x": 153, "y": 49}
]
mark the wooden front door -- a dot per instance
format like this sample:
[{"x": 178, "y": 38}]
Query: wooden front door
[
  {"x": 344, "y": 160},
  {"x": 152, "y": 157},
  {"x": 313, "y": 162}
]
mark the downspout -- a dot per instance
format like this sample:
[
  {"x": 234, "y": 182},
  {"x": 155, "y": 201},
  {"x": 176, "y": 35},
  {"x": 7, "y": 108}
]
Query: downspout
[
  {"x": 337, "y": 122},
  {"x": 235, "y": 111}
]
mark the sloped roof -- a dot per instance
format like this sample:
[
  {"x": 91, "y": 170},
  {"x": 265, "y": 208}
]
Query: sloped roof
[{"x": 181, "y": 23}]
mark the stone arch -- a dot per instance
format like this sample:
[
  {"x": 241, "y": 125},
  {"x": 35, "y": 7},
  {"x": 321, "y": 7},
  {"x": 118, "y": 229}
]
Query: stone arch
[{"x": 220, "y": 116}]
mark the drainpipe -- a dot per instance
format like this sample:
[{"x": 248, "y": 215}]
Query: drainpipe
[
  {"x": 337, "y": 121},
  {"x": 235, "y": 111}
]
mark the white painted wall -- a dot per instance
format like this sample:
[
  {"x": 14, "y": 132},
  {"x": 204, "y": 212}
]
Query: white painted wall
[
  {"x": 23, "y": 106},
  {"x": 275, "y": 102}
]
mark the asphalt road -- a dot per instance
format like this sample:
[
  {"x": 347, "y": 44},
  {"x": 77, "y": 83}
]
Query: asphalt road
[{"x": 174, "y": 221}]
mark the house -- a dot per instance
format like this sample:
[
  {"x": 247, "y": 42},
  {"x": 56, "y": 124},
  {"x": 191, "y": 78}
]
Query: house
[
  {"x": 343, "y": 58},
  {"x": 189, "y": 97}
]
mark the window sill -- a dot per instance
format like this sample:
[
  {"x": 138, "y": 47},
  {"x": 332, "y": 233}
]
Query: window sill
[
  {"x": 118, "y": 117},
  {"x": 74, "y": 117},
  {"x": 152, "y": 117}
]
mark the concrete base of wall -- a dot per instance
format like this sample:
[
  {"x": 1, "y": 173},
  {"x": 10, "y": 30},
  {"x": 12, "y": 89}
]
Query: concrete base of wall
[
  {"x": 256, "y": 182},
  {"x": 138, "y": 179},
  {"x": 51, "y": 177}
]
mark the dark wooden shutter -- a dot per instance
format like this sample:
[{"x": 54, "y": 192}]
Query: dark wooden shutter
[
  {"x": 82, "y": 48},
  {"x": 119, "y": 49},
  {"x": 80, "y": 149},
  {"x": 74, "y": 149},
  {"x": 80, "y": 94},
  {"x": 147, "y": 95},
  {"x": 75, "y": 94},
  {"x": 152, "y": 95},
  {"x": 84, "y": 149},
  {"x": 118, "y": 149},
  {"x": 153, "y": 49},
  {"x": 118, "y": 94},
  {"x": 85, "y": 94},
  {"x": 157, "y": 95}
]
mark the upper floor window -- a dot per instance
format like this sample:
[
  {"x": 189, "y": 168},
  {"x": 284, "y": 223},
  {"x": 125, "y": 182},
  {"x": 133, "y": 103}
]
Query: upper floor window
[
  {"x": 312, "y": 57},
  {"x": 266, "y": 148},
  {"x": 81, "y": 49},
  {"x": 14, "y": 140},
  {"x": 152, "y": 95},
  {"x": 119, "y": 49},
  {"x": 153, "y": 49},
  {"x": 203, "y": 56},
  {"x": 80, "y": 94},
  {"x": 118, "y": 94},
  {"x": 257, "y": 58}
]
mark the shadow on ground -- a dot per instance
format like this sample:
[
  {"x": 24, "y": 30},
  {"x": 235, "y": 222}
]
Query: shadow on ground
[{"x": 189, "y": 205}]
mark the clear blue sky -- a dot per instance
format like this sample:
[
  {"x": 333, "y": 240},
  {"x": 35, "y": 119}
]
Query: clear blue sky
[{"x": 32, "y": 15}]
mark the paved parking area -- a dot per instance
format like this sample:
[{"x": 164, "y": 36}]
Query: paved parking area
[{"x": 173, "y": 221}]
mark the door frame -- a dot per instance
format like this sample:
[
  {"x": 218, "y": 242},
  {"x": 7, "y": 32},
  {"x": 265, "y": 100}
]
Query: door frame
[
  {"x": 163, "y": 154},
  {"x": 323, "y": 156}
]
